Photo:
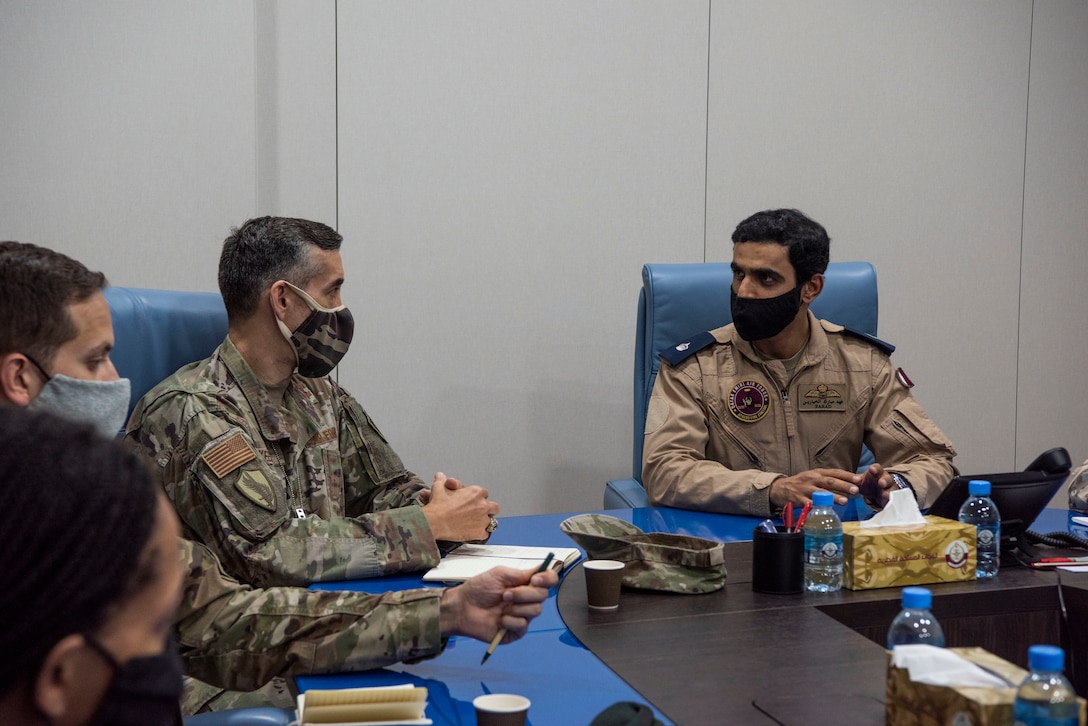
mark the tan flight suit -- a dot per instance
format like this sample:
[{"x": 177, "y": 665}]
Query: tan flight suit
[{"x": 723, "y": 422}]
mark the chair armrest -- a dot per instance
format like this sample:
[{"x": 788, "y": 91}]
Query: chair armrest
[
  {"x": 624, "y": 494},
  {"x": 259, "y": 716}
]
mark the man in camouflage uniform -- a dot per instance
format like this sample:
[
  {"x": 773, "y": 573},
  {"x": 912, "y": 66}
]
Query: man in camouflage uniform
[
  {"x": 237, "y": 637},
  {"x": 230, "y": 635},
  {"x": 776, "y": 405},
  {"x": 269, "y": 462}
]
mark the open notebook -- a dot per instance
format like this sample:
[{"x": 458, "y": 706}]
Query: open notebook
[
  {"x": 358, "y": 706},
  {"x": 469, "y": 560}
]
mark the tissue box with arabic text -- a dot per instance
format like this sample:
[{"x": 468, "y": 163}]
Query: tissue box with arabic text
[
  {"x": 922, "y": 704},
  {"x": 941, "y": 551}
]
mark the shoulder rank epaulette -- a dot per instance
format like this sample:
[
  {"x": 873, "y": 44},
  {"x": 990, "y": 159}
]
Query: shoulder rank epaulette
[
  {"x": 888, "y": 348},
  {"x": 677, "y": 353}
]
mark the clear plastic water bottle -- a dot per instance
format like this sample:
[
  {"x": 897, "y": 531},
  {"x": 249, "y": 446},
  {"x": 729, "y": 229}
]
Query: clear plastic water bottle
[
  {"x": 981, "y": 511},
  {"x": 1046, "y": 698},
  {"x": 823, "y": 545},
  {"x": 915, "y": 623}
]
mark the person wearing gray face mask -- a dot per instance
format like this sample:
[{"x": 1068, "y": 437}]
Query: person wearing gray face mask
[
  {"x": 103, "y": 404},
  {"x": 56, "y": 356}
]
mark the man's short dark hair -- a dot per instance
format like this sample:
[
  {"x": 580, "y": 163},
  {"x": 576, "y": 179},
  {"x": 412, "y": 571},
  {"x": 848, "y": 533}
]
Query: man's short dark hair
[
  {"x": 807, "y": 240},
  {"x": 36, "y": 287},
  {"x": 267, "y": 249}
]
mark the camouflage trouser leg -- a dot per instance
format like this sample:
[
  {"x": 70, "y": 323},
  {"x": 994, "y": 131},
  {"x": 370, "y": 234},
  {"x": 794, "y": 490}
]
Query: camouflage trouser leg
[{"x": 199, "y": 697}]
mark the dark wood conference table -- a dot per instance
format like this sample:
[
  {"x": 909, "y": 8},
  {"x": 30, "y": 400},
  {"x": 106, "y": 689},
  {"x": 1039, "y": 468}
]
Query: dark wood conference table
[{"x": 740, "y": 657}]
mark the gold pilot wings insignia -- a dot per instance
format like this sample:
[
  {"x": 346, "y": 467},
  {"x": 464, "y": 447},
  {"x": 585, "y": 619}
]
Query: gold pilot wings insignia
[{"x": 822, "y": 397}]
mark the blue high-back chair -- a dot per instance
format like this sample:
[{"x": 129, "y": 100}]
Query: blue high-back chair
[
  {"x": 155, "y": 333},
  {"x": 158, "y": 331},
  {"x": 678, "y": 301}
]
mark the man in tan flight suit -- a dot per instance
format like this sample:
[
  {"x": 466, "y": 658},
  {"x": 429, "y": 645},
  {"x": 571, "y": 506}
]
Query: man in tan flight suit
[{"x": 777, "y": 405}]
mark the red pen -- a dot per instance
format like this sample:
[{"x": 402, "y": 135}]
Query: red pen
[
  {"x": 787, "y": 516},
  {"x": 1056, "y": 561},
  {"x": 803, "y": 516}
]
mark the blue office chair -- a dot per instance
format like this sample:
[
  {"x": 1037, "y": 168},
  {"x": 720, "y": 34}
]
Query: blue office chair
[
  {"x": 155, "y": 333},
  {"x": 678, "y": 301},
  {"x": 158, "y": 331}
]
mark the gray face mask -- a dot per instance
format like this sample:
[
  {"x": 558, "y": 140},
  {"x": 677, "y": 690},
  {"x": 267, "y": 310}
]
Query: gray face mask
[{"x": 103, "y": 404}]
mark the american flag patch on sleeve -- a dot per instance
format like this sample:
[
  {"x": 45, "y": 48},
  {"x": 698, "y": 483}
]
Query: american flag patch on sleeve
[{"x": 229, "y": 455}]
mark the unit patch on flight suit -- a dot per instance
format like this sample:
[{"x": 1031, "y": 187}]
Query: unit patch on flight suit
[
  {"x": 749, "y": 401},
  {"x": 822, "y": 397}
]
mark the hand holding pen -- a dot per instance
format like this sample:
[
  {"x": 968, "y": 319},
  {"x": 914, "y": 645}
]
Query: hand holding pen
[{"x": 503, "y": 631}]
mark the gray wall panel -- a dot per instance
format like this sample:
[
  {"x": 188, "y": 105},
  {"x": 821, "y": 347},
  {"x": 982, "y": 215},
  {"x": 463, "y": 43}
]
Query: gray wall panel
[
  {"x": 296, "y": 108},
  {"x": 900, "y": 128},
  {"x": 505, "y": 171},
  {"x": 1052, "y": 400},
  {"x": 128, "y": 136}
]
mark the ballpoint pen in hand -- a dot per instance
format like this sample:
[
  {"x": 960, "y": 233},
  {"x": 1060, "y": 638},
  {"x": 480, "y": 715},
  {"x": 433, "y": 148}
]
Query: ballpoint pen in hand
[{"x": 502, "y": 631}]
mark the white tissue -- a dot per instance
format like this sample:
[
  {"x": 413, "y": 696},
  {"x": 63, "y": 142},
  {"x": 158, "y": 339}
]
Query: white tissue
[
  {"x": 940, "y": 667},
  {"x": 902, "y": 510}
]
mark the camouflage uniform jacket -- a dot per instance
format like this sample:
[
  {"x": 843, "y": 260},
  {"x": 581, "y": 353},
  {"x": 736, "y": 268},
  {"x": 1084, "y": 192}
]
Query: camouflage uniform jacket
[
  {"x": 233, "y": 636},
  {"x": 284, "y": 493},
  {"x": 723, "y": 422}
]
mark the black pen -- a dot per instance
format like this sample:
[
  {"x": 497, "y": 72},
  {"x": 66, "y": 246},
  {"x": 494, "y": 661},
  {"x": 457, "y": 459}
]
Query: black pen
[{"x": 502, "y": 631}]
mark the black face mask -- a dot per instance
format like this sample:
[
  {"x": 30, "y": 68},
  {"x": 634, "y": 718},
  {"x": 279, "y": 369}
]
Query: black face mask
[
  {"x": 144, "y": 691},
  {"x": 761, "y": 318}
]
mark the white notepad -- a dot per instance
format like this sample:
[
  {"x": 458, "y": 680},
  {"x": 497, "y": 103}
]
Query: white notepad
[
  {"x": 385, "y": 705},
  {"x": 469, "y": 560}
]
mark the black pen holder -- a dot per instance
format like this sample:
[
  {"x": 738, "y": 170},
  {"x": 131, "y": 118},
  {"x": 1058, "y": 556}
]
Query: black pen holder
[{"x": 778, "y": 561}]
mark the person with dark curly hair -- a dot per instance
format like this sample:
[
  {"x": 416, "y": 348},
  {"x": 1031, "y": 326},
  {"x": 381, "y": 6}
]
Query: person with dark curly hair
[
  {"x": 91, "y": 580},
  {"x": 777, "y": 404}
]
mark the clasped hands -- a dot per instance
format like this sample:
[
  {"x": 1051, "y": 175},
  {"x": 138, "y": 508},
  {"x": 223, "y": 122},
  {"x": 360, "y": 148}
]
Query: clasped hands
[
  {"x": 457, "y": 513},
  {"x": 874, "y": 484}
]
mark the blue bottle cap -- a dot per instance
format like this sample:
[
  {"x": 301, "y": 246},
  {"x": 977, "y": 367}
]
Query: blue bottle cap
[
  {"x": 1046, "y": 658},
  {"x": 978, "y": 488},
  {"x": 822, "y": 499},
  {"x": 917, "y": 598}
]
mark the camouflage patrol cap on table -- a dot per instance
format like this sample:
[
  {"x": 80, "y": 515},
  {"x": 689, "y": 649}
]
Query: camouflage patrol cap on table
[{"x": 655, "y": 561}]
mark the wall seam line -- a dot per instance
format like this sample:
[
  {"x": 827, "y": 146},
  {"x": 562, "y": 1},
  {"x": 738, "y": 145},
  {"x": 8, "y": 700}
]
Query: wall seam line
[
  {"x": 706, "y": 134},
  {"x": 1023, "y": 212}
]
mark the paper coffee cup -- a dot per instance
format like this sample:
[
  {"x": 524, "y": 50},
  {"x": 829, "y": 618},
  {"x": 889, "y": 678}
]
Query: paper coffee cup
[
  {"x": 501, "y": 709},
  {"x": 603, "y": 581}
]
